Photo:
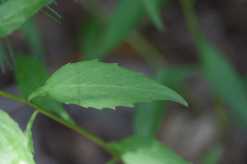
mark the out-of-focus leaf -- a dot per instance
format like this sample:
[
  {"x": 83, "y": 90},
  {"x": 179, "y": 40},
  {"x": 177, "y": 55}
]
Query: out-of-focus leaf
[
  {"x": 30, "y": 75},
  {"x": 123, "y": 20},
  {"x": 14, "y": 13},
  {"x": 137, "y": 150},
  {"x": 2, "y": 1},
  {"x": 153, "y": 8},
  {"x": 244, "y": 80},
  {"x": 174, "y": 76},
  {"x": 32, "y": 35},
  {"x": 212, "y": 156},
  {"x": 224, "y": 80},
  {"x": 151, "y": 55},
  {"x": 29, "y": 131},
  {"x": 101, "y": 85},
  {"x": 13, "y": 143},
  {"x": 2, "y": 56},
  {"x": 120, "y": 25},
  {"x": 89, "y": 38},
  {"x": 111, "y": 162},
  {"x": 148, "y": 117}
]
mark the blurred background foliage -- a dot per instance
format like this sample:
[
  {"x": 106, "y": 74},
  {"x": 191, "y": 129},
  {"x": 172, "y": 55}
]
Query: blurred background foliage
[{"x": 195, "y": 47}]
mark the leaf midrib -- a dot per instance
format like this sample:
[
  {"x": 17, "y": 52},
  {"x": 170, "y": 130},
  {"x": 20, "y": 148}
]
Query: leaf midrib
[{"x": 111, "y": 86}]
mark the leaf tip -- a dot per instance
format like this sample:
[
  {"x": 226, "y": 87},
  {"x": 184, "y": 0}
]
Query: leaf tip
[
  {"x": 185, "y": 103},
  {"x": 182, "y": 101}
]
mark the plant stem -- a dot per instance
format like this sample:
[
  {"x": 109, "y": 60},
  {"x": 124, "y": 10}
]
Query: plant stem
[
  {"x": 83, "y": 132},
  {"x": 147, "y": 51},
  {"x": 191, "y": 18}
]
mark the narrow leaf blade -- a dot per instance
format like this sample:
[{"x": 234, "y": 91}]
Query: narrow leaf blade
[
  {"x": 124, "y": 19},
  {"x": 224, "y": 80},
  {"x": 33, "y": 37},
  {"x": 89, "y": 38},
  {"x": 153, "y": 9}
]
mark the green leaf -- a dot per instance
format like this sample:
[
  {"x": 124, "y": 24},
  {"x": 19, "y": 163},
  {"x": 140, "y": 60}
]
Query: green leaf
[
  {"x": 33, "y": 37},
  {"x": 120, "y": 26},
  {"x": 124, "y": 19},
  {"x": 2, "y": 1},
  {"x": 100, "y": 85},
  {"x": 14, "y": 13},
  {"x": 2, "y": 56},
  {"x": 175, "y": 76},
  {"x": 223, "y": 78},
  {"x": 89, "y": 38},
  {"x": 29, "y": 131},
  {"x": 225, "y": 81},
  {"x": 153, "y": 8},
  {"x": 137, "y": 150},
  {"x": 148, "y": 116},
  {"x": 30, "y": 75},
  {"x": 111, "y": 162},
  {"x": 13, "y": 143},
  {"x": 244, "y": 80},
  {"x": 212, "y": 156}
]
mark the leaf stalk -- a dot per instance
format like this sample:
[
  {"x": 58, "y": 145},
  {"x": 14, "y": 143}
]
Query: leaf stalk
[{"x": 83, "y": 132}]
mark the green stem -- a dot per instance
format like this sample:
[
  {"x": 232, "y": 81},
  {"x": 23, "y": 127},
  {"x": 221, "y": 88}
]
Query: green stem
[
  {"x": 191, "y": 18},
  {"x": 149, "y": 53},
  {"x": 84, "y": 133}
]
